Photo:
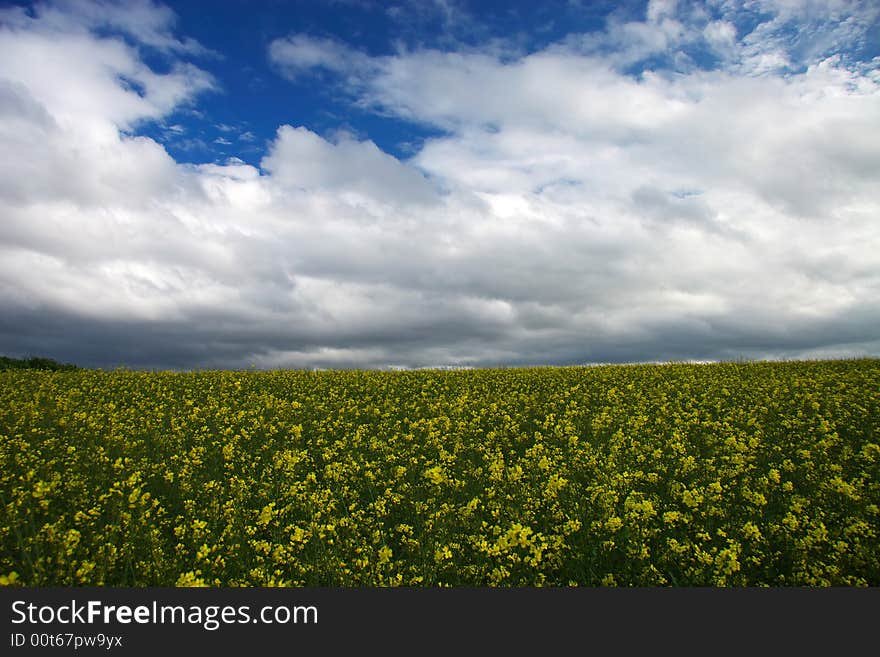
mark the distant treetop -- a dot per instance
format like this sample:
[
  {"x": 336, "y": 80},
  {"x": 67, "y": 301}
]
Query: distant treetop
[{"x": 7, "y": 363}]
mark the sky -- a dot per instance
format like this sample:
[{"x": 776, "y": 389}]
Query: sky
[{"x": 421, "y": 183}]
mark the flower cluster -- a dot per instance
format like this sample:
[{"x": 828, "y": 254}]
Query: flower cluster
[{"x": 729, "y": 474}]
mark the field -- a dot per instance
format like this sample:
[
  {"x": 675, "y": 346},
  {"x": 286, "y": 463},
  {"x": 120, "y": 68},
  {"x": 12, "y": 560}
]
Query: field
[{"x": 728, "y": 474}]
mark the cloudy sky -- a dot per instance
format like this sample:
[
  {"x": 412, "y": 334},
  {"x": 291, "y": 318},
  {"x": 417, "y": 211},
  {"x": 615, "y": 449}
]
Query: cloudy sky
[{"x": 416, "y": 183}]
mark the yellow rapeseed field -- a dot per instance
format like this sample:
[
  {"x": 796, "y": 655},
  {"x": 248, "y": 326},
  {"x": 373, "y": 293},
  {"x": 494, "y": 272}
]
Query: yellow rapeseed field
[{"x": 727, "y": 474}]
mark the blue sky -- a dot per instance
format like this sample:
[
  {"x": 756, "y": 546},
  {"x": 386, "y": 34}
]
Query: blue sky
[
  {"x": 438, "y": 182},
  {"x": 254, "y": 100}
]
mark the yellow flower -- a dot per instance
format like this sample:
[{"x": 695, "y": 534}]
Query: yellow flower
[
  {"x": 613, "y": 524},
  {"x": 442, "y": 554},
  {"x": 751, "y": 531},
  {"x": 266, "y": 515},
  {"x": 190, "y": 579},
  {"x": 9, "y": 580}
]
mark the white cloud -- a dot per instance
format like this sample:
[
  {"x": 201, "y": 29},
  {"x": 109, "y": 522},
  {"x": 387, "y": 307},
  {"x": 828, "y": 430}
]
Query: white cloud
[
  {"x": 149, "y": 23},
  {"x": 721, "y": 37},
  {"x": 570, "y": 211},
  {"x": 300, "y": 159},
  {"x": 84, "y": 79},
  {"x": 299, "y": 54}
]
